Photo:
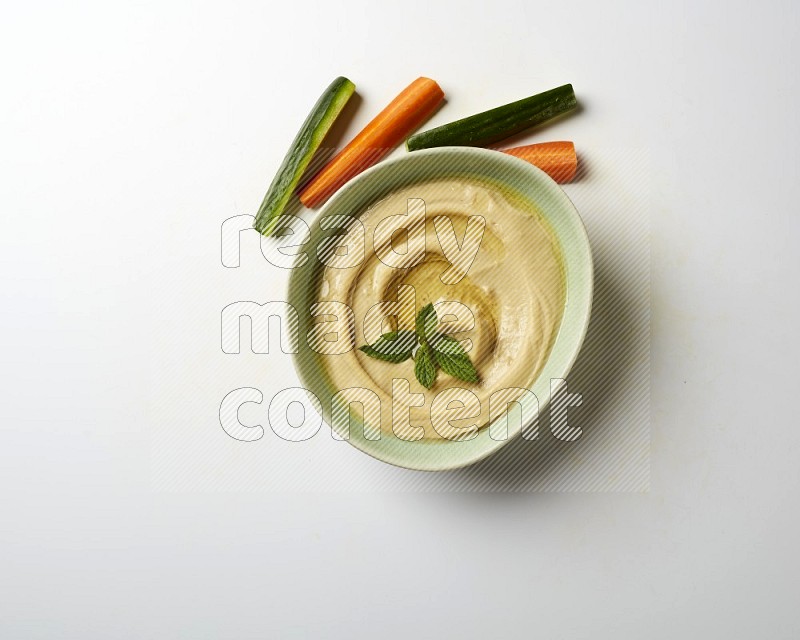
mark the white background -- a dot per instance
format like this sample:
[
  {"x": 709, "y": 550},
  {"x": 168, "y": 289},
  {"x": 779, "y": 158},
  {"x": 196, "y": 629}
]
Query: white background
[{"x": 129, "y": 131}]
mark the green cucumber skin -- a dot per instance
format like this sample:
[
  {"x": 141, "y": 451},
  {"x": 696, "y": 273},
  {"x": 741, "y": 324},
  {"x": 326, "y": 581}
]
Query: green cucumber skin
[
  {"x": 497, "y": 124},
  {"x": 300, "y": 153}
]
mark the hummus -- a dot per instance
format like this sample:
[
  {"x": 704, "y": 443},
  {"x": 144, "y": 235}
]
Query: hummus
[{"x": 491, "y": 266}]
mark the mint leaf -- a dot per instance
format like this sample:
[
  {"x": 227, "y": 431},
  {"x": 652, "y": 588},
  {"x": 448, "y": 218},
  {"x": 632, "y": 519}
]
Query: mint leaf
[
  {"x": 426, "y": 321},
  {"x": 395, "y": 346},
  {"x": 458, "y": 366},
  {"x": 452, "y": 359},
  {"x": 424, "y": 368},
  {"x": 443, "y": 343}
]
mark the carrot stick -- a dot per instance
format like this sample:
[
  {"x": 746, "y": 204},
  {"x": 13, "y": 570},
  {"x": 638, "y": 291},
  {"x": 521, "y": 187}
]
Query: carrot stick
[
  {"x": 415, "y": 104},
  {"x": 556, "y": 159}
]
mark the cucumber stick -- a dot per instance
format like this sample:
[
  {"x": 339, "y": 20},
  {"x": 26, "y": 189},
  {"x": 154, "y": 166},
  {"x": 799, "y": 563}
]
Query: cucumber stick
[
  {"x": 497, "y": 124},
  {"x": 305, "y": 144}
]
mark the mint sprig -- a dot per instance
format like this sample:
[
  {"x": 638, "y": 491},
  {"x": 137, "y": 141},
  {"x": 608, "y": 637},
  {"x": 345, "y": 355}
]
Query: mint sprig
[{"x": 432, "y": 349}]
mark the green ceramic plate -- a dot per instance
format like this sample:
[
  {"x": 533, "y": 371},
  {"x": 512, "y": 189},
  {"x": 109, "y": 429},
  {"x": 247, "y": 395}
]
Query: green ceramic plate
[{"x": 513, "y": 175}]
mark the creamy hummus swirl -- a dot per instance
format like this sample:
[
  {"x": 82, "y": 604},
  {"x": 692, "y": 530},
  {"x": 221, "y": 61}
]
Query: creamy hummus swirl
[{"x": 505, "y": 305}]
